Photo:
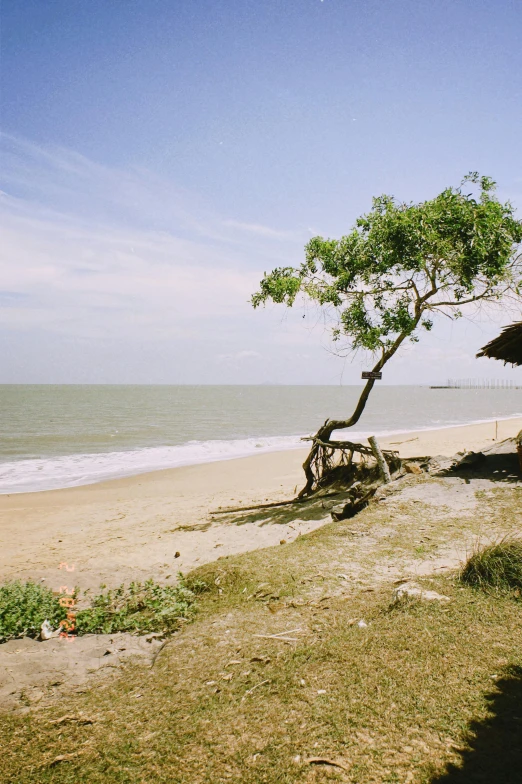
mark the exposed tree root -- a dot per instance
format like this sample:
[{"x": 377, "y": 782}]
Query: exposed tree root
[
  {"x": 331, "y": 463},
  {"x": 334, "y": 472}
]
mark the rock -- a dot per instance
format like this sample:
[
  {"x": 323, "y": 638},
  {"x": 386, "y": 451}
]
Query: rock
[
  {"x": 412, "y": 468},
  {"x": 470, "y": 460},
  {"x": 349, "y": 510},
  {"x": 415, "y": 591}
]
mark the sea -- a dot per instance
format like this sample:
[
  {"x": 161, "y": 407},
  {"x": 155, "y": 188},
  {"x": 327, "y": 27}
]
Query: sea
[{"x": 64, "y": 436}]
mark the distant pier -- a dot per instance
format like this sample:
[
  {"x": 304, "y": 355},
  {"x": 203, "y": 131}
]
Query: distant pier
[{"x": 477, "y": 383}]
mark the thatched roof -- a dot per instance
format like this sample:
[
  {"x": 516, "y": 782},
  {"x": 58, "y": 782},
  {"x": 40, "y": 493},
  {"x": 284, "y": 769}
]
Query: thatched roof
[{"x": 508, "y": 345}]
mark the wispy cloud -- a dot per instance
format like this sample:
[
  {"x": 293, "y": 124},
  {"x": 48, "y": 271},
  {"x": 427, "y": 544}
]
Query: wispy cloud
[
  {"x": 90, "y": 249},
  {"x": 59, "y": 273},
  {"x": 262, "y": 231}
]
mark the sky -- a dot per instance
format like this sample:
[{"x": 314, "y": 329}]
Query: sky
[{"x": 159, "y": 155}]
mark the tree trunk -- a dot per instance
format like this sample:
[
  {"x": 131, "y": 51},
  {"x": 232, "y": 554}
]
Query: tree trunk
[{"x": 324, "y": 432}]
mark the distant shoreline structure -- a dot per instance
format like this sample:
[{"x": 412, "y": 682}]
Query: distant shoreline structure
[{"x": 477, "y": 383}]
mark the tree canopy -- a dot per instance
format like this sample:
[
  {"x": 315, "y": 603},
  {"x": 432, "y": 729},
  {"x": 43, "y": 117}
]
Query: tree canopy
[{"x": 401, "y": 263}]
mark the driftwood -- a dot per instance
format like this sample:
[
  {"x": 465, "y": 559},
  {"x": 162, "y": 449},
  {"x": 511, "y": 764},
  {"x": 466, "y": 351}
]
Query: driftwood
[
  {"x": 381, "y": 462},
  {"x": 154, "y": 658},
  {"x": 355, "y": 505},
  {"x": 254, "y": 688},
  {"x": 325, "y": 761},
  {"x": 271, "y": 505}
]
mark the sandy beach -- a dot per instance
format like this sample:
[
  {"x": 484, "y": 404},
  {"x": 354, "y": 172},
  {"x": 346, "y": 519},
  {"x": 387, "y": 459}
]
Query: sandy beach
[{"x": 133, "y": 528}]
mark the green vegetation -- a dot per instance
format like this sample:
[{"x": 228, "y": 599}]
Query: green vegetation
[
  {"x": 142, "y": 607},
  {"x": 399, "y": 267},
  {"x": 497, "y": 566},
  {"x": 24, "y": 607}
]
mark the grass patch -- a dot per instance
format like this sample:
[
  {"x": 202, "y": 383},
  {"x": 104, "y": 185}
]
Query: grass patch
[
  {"x": 497, "y": 566},
  {"x": 399, "y": 701},
  {"x": 140, "y": 608},
  {"x": 393, "y": 702},
  {"x": 24, "y": 607}
]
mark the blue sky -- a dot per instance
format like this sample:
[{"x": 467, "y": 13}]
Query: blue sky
[{"x": 159, "y": 155}]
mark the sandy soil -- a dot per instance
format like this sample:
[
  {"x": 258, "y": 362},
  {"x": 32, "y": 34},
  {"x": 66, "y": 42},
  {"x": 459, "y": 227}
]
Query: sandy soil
[{"x": 132, "y": 528}]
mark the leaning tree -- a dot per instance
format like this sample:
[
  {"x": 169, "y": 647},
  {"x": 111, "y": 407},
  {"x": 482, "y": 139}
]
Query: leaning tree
[{"x": 401, "y": 265}]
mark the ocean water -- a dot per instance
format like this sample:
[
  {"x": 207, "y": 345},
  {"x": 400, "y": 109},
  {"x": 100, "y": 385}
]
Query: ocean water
[{"x": 62, "y": 436}]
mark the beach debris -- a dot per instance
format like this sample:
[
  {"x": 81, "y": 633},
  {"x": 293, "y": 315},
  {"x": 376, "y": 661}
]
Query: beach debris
[
  {"x": 156, "y": 655},
  {"x": 273, "y": 504},
  {"x": 362, "y": 624},
  {"x": 470, "y": 460},
  {"x": 47, "y": 632},
  {"x": 64, "y": 758},
  {"x": 343, "y": 577},
  {"x": 262, "y": 683},
  {"x": 177, "y": 554},
  {"x": 356, "y": 502},
  {"x": 321, "y": 691},
  {"x": 276, "y": 637},
  {"x": 381, "y": 462},
  {"x": 411, "y": 590},
  {"x": 154, "y": 636},
  {"x": 71, "y": 718},
  {"x": 281, "y": 635},
  {"x": 325, "y": 761},
  {"x": 229, "y": 509}
]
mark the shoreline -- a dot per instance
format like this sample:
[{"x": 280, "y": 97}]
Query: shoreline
[
  {"x": 160, "y": 523},
  {"x": 383, "y": 436}
]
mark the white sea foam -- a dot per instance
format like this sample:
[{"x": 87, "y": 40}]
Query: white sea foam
[
  {"x": 25, "y": 476},
  {"x": 52, "y": 473}
]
